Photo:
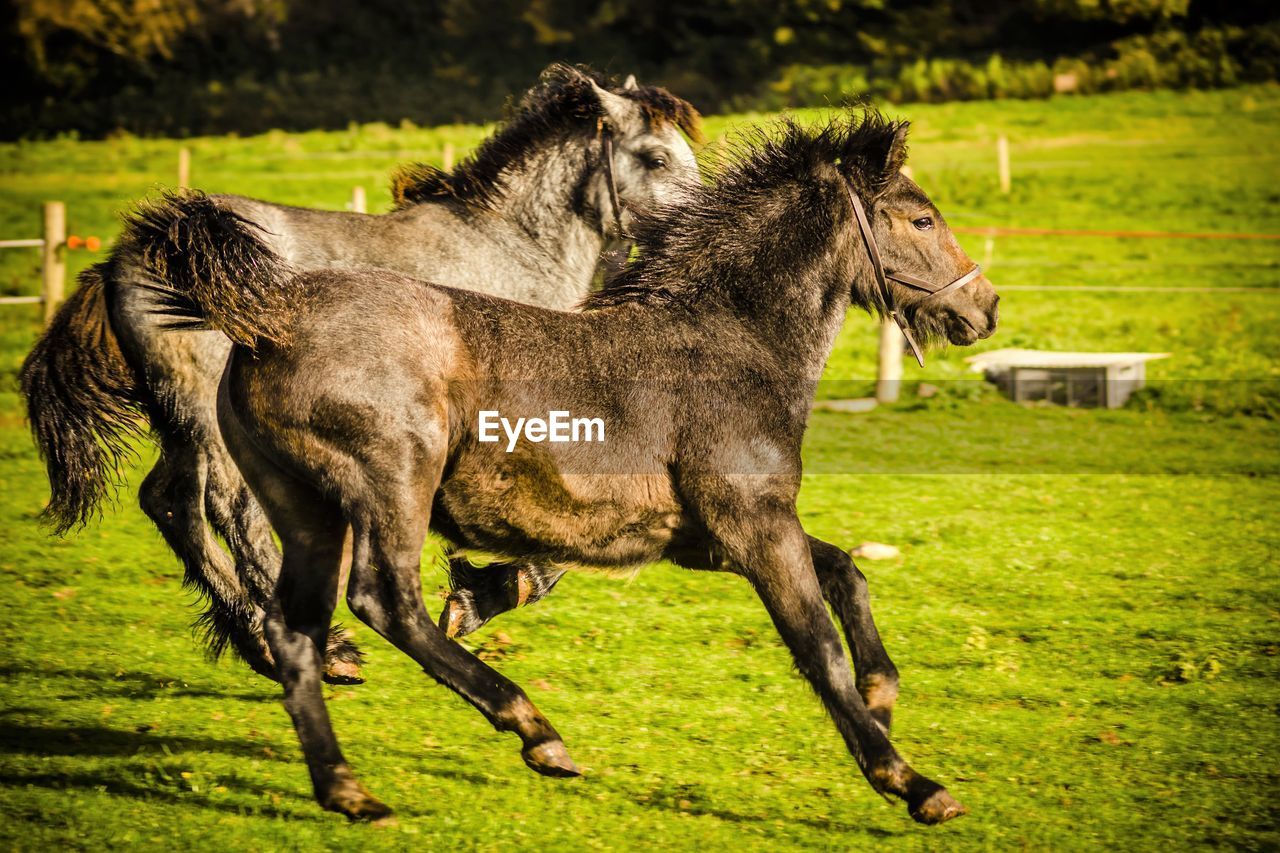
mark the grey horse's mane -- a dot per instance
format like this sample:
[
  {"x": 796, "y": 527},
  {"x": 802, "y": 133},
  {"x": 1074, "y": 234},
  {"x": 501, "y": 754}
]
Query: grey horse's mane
[{"x": 562, "y": 100}]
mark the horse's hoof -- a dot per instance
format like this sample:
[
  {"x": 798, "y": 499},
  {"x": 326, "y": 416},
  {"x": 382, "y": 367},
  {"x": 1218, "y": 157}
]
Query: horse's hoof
[
  {"x": 343, "y": 672},
  {"x": 459, "y": 617},
  {"x": 938, "y": 807},
  {"x": 550, "y": 758},
  {"x": 342, "y": 658},
  {"x": 351, "y": 799}
]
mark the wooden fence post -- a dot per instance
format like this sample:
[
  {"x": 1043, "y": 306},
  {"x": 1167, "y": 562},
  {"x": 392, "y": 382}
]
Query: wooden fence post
[
  {"x": 1002, "y": 154},
  {"x": 889, "y": 371},
  {"x": 54, "y": 265},
  {"x": 357, "y": 200},
  {"x": 184, "y": 168},
  {"x": 447, "y": 157}
]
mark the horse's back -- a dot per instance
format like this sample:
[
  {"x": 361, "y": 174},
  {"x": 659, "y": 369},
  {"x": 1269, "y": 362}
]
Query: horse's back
[
  {"x": 312, "y": 238},
  {"x": 432, "y": 241},
  {"x": 366, "y": 322}
]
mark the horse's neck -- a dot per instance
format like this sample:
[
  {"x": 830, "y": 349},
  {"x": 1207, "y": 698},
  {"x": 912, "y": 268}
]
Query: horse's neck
[
  {"x": 542, "y": 204},
  {"x": 796, "y": 318},
  {"x": 530, "y": 244}
]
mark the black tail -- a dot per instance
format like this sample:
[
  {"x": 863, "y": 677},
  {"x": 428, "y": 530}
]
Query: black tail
[
  {"x": 213, "y": 268},
  {"x": 84, "y": 403}
]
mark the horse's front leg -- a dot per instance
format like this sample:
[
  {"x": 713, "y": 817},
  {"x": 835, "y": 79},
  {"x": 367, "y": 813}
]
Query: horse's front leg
[
  {"x": 845, "y": 589},
  {"x": 479, "y": 593},
  {"x": 774, "y": 554}
]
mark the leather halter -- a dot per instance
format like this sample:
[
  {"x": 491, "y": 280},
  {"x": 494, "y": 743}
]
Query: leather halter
[
  {"x": 605, "y": 132},
  {"x": 886, "y": 292}
]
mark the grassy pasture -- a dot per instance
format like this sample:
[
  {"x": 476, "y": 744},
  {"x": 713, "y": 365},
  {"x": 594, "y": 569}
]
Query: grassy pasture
[{"x": 1085, "y": 612}]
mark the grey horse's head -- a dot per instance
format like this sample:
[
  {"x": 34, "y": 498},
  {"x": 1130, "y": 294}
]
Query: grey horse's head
[
  {"x": 556, "y": 137},
  {"x": 651, "y": 158}
]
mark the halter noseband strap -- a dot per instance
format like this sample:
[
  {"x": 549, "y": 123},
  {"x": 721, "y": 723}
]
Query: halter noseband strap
[
  {"x": 606, "y": 142},
  {"x": 883, "y": 278}
]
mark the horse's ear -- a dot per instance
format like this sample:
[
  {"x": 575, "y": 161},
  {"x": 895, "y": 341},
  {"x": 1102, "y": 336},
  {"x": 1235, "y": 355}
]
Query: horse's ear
[
  {"x": 896, "y": 157},
  {"x": 631, "y": 82},
  {"x": 619, "y": 111}
]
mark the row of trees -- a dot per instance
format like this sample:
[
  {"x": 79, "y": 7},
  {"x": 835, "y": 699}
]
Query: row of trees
[{"x": 207, "y": 66}]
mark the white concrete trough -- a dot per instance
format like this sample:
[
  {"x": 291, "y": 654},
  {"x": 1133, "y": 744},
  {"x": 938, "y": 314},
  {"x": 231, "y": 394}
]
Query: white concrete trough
[{"x": 1086, "y": 379}]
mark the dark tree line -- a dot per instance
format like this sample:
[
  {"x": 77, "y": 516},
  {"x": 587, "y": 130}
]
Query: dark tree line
[{"x": 179, "y": 67}]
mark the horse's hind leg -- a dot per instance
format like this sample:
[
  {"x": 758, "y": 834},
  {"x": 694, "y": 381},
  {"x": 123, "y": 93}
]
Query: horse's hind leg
[
  {"x": 239, "y": 519},
  {"x": 313, "y": 534},
  {"x": 480, "y": 593},
  {"x": 297, "y": 627},
  {"x": 845, "y": 589},
  {"x": 389, "y": 600},
  {"x": 385, "y": 592},
  {"x": 196, "y": 483},
  {"x": 172, "y": 496}
]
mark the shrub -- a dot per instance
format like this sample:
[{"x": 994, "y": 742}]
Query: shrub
[{"x": 1169, "y": 58}]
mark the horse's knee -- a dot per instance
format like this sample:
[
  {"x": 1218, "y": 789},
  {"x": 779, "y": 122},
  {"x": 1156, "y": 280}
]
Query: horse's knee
[
  {"x": 364, "y": 606},
  {"x": 364, "y": 599},
  {"x": 839, "y": 575},
  {"x": 172, "y": 496},
  {"x": 856, "y": 578},
  {"x": 153, "y": 497}
]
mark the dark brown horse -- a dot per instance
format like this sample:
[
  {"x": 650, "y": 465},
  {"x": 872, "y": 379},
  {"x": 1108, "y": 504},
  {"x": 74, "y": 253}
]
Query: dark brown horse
[{"x": 699, "y": 366}]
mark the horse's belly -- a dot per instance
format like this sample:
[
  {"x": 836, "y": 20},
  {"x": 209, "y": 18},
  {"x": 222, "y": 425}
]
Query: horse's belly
[{"x": 519, "y": 505}]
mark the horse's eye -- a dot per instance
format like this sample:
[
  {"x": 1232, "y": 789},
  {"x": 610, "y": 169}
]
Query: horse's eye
[
  {"x": 924, "y": 223},
  {"x": 655, "y": 161}
]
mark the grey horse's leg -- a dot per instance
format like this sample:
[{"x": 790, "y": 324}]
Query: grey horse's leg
[
  {"x": 197, "y": 484},
  {"x": 172, "y": 496},
  {"x": 480, "y": 593},
  {"x": 845, "y": 589}
]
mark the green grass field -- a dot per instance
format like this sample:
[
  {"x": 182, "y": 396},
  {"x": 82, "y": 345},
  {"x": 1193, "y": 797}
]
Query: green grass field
[{"x": 1085, "y": 612}]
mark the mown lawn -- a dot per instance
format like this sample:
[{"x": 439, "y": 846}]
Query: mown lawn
[{"x": 1085, "y": 609}]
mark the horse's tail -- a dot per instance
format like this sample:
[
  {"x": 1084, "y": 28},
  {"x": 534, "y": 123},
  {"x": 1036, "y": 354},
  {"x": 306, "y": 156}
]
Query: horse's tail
[
  {"x": 84, "y": 403},
  {"x": 212, "y": 267}
]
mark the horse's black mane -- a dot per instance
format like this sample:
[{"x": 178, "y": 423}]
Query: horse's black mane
[
  {"x": 751, "y": 208},
  {"x": 562, "y": 98}
]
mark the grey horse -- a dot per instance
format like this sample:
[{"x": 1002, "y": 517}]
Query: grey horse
[{"x": 525, "y": 218}]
